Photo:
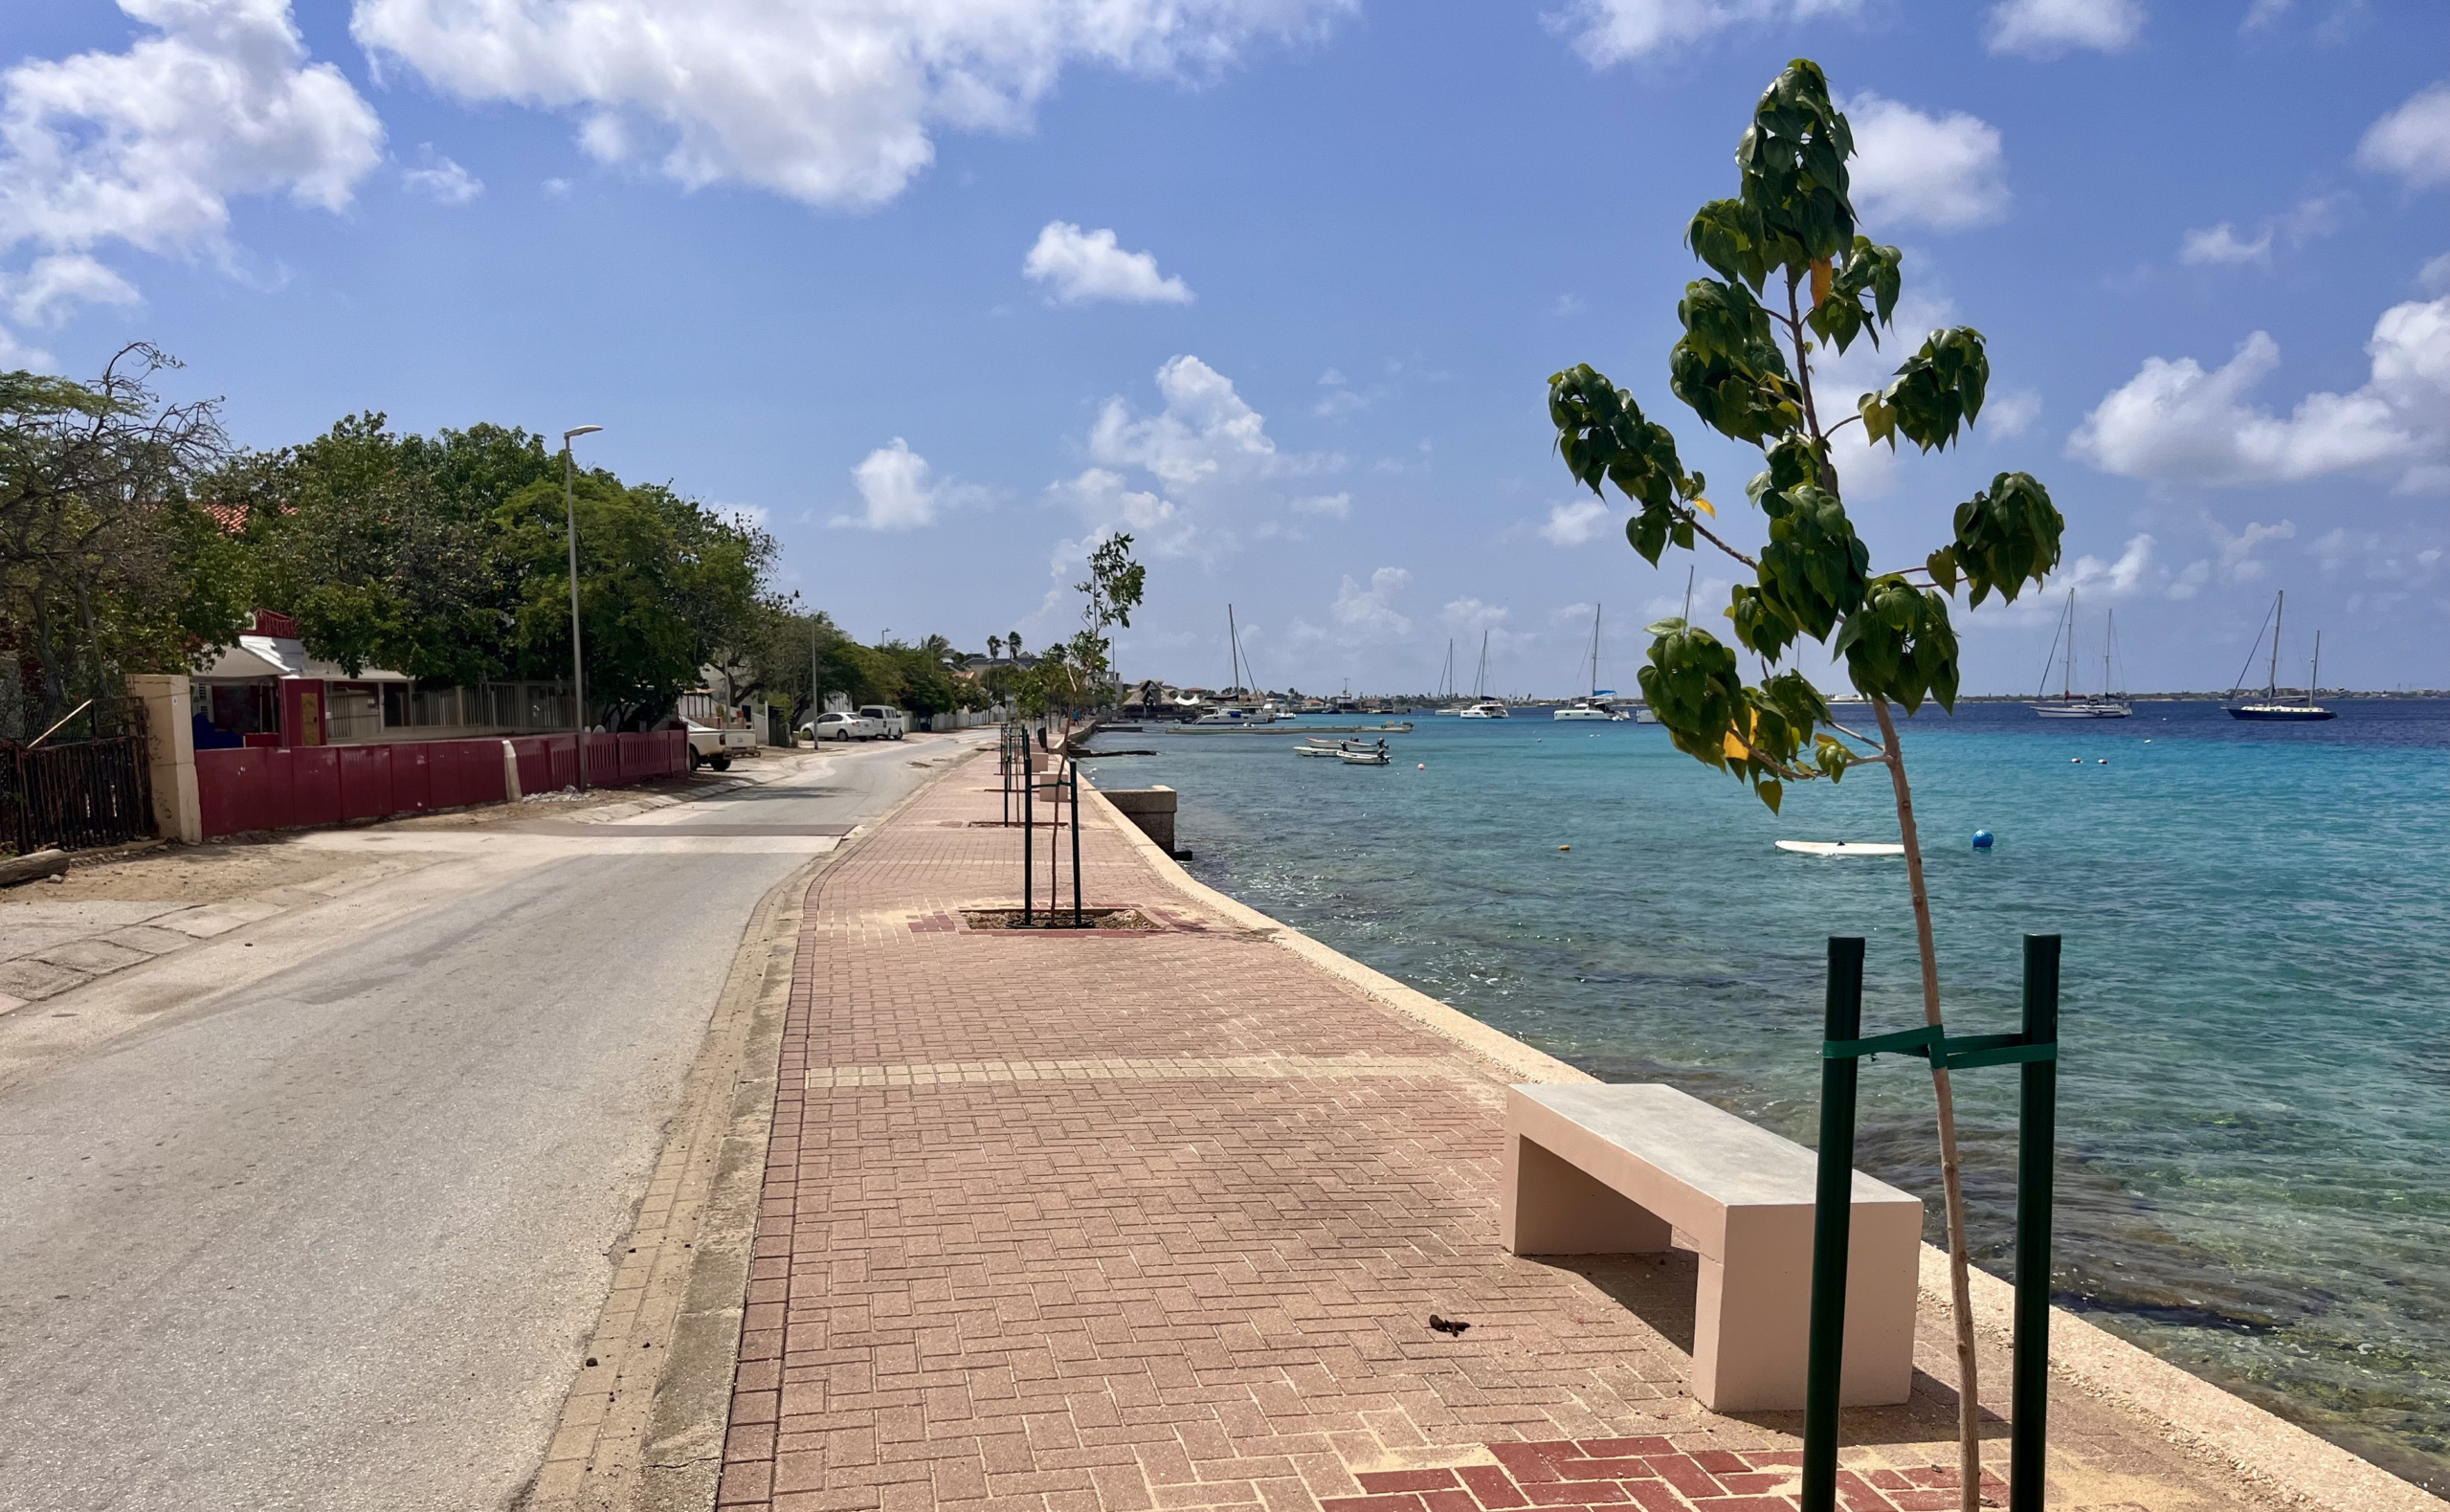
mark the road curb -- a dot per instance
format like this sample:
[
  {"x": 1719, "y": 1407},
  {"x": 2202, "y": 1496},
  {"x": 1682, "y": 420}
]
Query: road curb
[{"x": 642, "y": 1427}]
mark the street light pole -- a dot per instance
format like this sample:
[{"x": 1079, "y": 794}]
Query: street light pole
[{"x": 578, "y": 661}]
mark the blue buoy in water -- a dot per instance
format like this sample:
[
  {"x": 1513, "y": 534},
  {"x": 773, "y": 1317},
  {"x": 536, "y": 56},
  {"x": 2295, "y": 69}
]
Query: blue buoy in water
[{"x": 1982, "y": 839}]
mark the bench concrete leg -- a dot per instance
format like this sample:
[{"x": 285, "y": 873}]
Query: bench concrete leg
[
  {"x": 1553, "y": 1208},
  {"x": 1754, "y": 1310}
]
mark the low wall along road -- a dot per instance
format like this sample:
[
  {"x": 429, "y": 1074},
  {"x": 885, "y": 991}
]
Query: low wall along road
[{"x": 286, "y": 787}]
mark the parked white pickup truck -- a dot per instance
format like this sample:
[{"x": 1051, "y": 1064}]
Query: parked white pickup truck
[
  {"x": 710, "y": 746},
  {"x": 891, "y": 723}
]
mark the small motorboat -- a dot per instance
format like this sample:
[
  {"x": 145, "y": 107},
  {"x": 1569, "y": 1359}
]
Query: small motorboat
[{"x": 1365, "y": 756}]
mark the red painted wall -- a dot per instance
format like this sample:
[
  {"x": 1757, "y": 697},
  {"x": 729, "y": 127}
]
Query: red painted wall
[{"x": 288, "y": 788}]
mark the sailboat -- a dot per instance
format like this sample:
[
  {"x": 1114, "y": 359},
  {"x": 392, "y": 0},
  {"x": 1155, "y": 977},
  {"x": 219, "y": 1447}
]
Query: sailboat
[
  {"x": 2069, "y": 705},
  {"x": 2271, "y": 707},
  {"x": 1483, "y": 707},
  {"x": 1593, "y": 705}
]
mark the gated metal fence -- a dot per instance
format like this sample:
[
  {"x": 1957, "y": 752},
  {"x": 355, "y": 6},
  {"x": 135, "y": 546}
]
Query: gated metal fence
[{"x": 86, "y": 782}]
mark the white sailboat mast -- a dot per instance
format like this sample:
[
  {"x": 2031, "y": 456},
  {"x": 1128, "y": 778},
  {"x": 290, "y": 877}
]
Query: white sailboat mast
[
  {"x": 1234, "y": 650},
  {"x": 1597, "y": 610},
  {"x": 2279, "y": 607}
]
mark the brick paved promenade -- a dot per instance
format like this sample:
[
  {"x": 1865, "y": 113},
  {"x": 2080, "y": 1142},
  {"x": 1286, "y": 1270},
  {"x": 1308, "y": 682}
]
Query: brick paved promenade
[{"x": 1118, "y": 1223}]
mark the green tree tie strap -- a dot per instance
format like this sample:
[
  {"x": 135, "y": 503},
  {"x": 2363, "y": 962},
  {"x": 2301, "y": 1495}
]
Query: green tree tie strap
[{"x": 1963, "y": 1052}]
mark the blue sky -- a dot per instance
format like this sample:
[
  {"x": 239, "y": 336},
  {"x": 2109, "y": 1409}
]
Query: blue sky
[{"x": 943, "y": 289}]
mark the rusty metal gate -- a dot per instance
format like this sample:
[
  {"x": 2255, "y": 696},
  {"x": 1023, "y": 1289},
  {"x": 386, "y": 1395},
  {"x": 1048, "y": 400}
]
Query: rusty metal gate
[{"x": 82, "y": 792}]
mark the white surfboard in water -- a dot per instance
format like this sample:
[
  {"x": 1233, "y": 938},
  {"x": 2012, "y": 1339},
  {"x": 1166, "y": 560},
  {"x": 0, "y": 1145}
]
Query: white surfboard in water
[{"x": 1841, "y": 848}]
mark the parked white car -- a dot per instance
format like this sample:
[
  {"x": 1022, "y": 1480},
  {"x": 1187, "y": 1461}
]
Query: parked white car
[
  {"x": 843, "y": 726},
  {"x": 891, "y": 723}
]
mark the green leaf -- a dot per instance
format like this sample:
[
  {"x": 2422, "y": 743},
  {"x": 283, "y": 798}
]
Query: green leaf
[
  {"x": 1942, "y": 565},
  {"x": 1937, "y": 392},
  {"x": 1815, "y": 567},
  {"x": 1730, "y": 239},
  {"x": 2006, "y": 537},
  {"x": 1605, "y": 438},
  {"x": 1792, "y": 162},
  {"x": 1899, "y": 645},
  {"x": 1866, "y": 271},
  {"x": 1727, "y": 366}
]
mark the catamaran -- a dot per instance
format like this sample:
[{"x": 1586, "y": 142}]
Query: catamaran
[
  {"x": 2271, "y": 707},
  {"x": 1483, "y": 706},
  {"x": 2069, "y": 705},
  {"x": 1593, "y": 705}
]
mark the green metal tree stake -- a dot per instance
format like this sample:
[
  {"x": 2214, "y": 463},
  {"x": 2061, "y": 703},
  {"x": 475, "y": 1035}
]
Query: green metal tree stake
[
  {"x": 2034, "y": 1050},
  {"x": 1833, "y": 1224},
  {"x": 2037, "y": 1140}
]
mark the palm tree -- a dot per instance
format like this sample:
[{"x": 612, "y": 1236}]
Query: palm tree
[
  {"x": 994, "y": 647},
  {"x": 1013, "y": 645}
]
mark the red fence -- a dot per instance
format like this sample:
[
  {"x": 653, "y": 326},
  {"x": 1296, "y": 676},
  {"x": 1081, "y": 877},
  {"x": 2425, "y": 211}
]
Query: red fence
[{"x": 286, "y": 787}]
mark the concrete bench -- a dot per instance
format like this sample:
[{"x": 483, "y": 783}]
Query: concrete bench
[{"x": 1602, "y": 1169}]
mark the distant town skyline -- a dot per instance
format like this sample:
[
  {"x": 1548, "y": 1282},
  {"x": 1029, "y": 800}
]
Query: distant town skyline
[{"x": 939, "y": 294}]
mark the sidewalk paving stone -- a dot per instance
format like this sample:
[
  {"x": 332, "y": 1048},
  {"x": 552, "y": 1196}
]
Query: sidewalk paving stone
[{"x": 1129, "y": 1222}]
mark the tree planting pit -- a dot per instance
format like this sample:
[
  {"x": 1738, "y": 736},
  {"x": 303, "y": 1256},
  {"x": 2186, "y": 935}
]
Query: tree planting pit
[{"x": 1117, "y": 920}]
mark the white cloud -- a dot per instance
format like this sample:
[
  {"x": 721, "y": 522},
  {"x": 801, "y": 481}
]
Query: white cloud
[
  {"x": 2433, "y": 277},
  {"x": 2097, "y": 579},
  {"x": 2049, "y": 29},
  {"x": 2413, "y": 141},
  {"x": 1341, "y": 398},
  {"x": 149, "y": 146},
  {"x": 2238, "y": 561},
  {"x": 1464, "y": 615},
  {"x": 1109, "y": 506},
  {"x": 896, "y": 491},
  {"x": 1370, "y": 612},
  {"x": 1570, "y": 525},
  {"x": 2265, "y": 14},
  {"x": 2012, "y": 413},
  {"x": 1205, "y": 432},
  {"x": 443, "y": 181},
  {"x": 1608, "y": 32},
  {"x": 1081, "y": 266},
  {"x": 15, "y": 354},
  {"x": 2175, "y": 420},
  {"x": 1210, "y": 472},
  {"x": 2222, "y": 246},
  {"x": 831, "y": 105},
  {"x": 1943, "y": 171},
  {"x": 46, "y": 292}
]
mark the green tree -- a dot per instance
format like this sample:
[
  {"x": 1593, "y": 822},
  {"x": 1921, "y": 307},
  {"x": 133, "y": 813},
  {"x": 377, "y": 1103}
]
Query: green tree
[
  {"x": 1745, "y": 368},
  {"x": 109, "y": 563},
  {"x": 664, "y": 587},
  {"x": 383, "y": 547},
  {"x": 1077, "y": 674}
]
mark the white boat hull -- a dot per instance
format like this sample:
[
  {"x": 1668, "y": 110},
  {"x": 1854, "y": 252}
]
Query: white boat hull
[{"x": 1841, "y": 848}]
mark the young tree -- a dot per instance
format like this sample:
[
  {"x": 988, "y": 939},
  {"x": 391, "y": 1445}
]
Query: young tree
[{"x": 1745, "y": 368}]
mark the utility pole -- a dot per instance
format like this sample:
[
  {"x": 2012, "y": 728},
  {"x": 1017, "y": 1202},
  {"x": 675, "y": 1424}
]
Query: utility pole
[{"x": 578, "y": 661}]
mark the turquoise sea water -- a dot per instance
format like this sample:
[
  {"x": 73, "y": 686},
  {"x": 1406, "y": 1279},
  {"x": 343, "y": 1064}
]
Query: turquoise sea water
[{"x": 2255, "y": 1116}]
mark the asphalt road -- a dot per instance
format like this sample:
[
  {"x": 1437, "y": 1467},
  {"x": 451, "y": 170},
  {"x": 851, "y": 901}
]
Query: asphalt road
[{"x": 319, "y": 1214}]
